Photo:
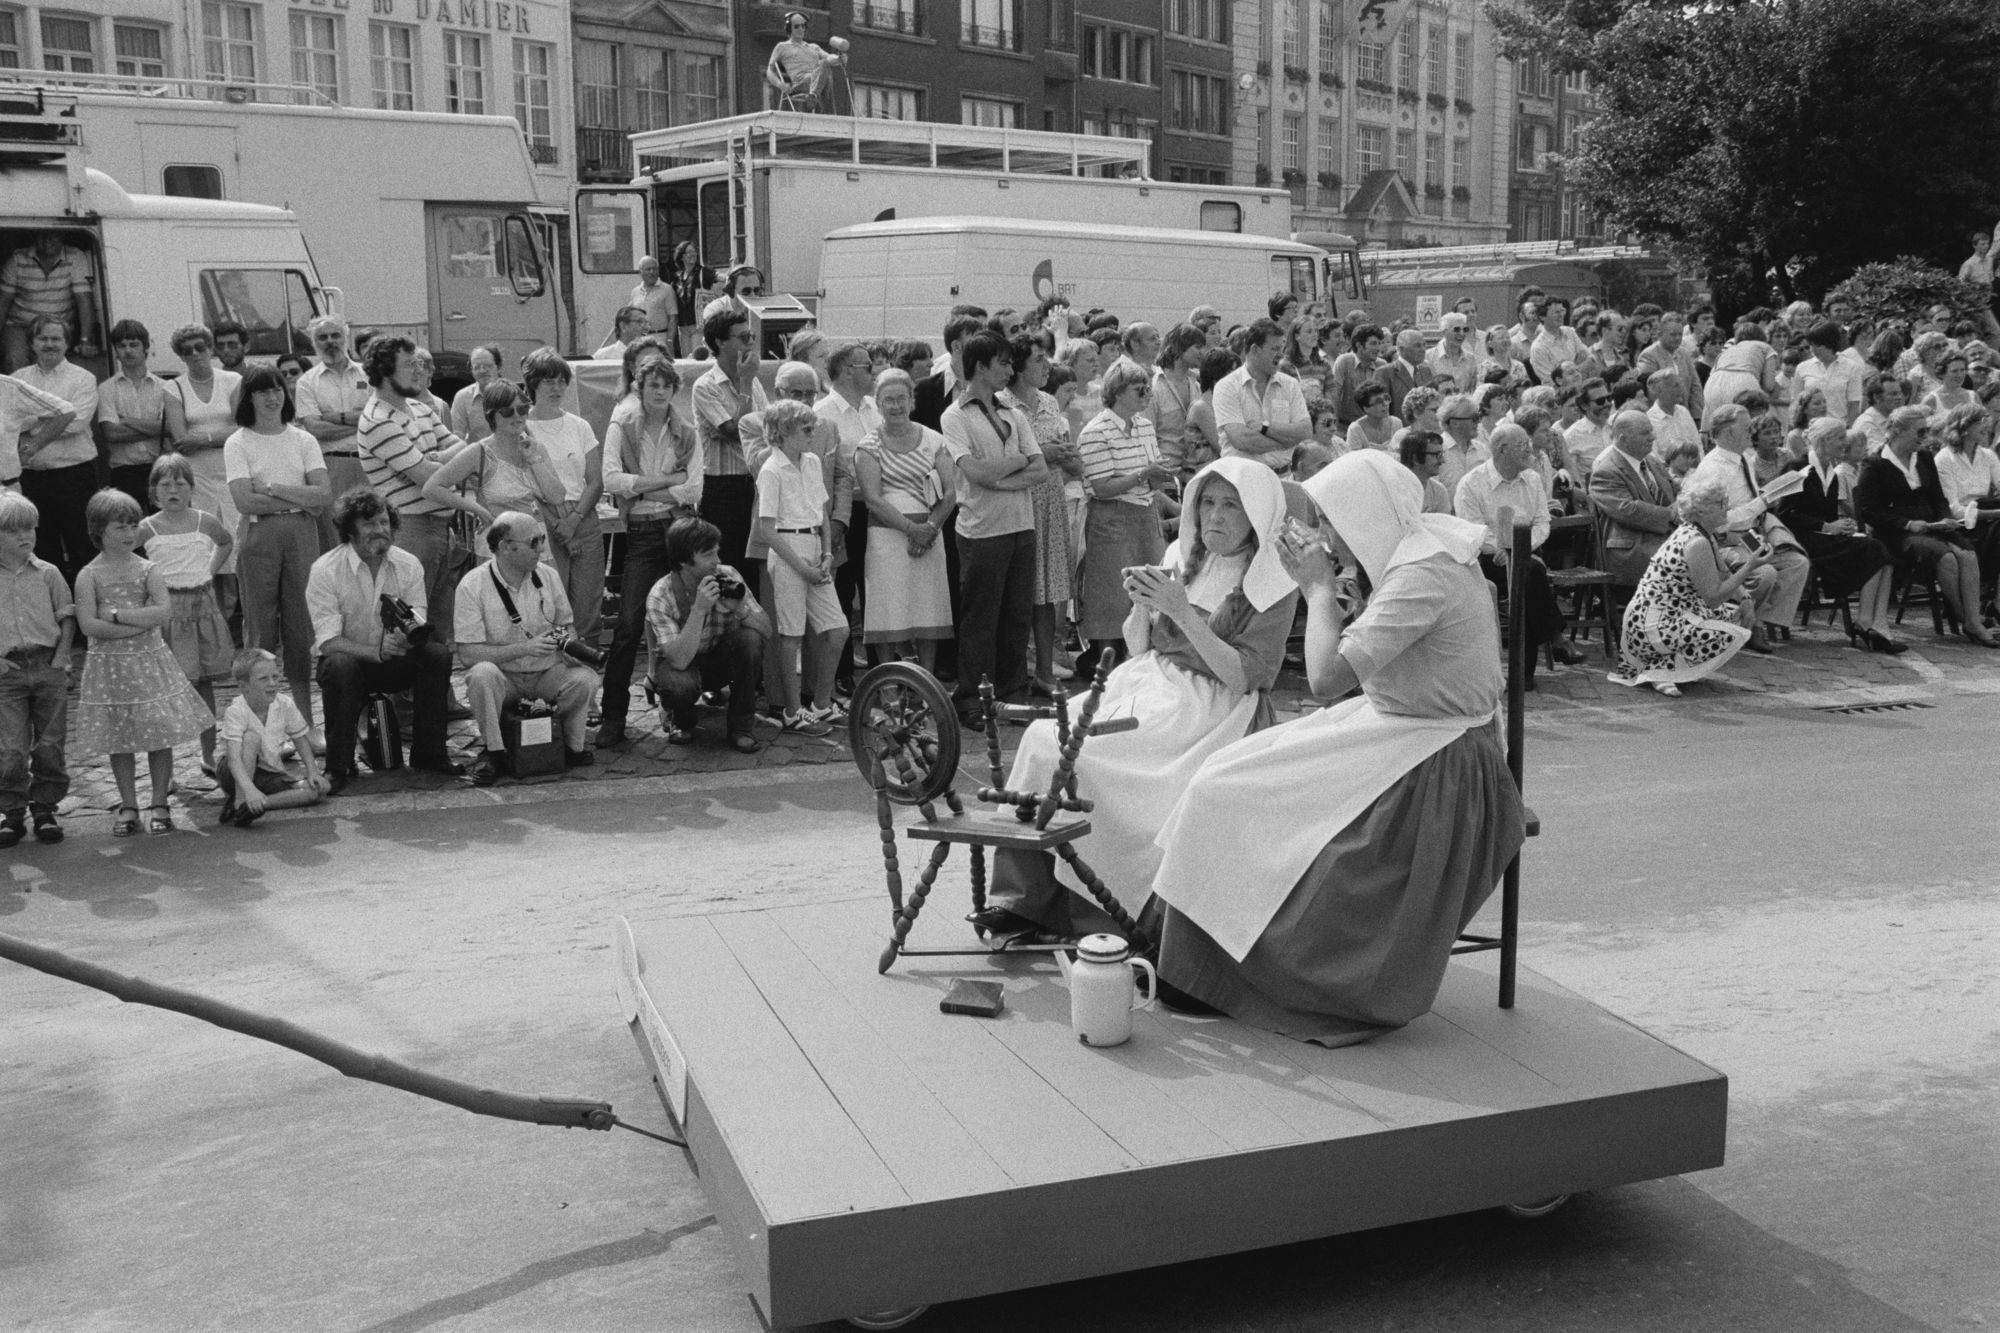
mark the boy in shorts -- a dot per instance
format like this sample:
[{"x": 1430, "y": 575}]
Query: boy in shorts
[
  {"x": 794, "y": 520},
  {"x": 37, "y": 622},
  {"x": 254, "y": 727}
]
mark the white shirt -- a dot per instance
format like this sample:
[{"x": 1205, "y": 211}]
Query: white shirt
[
  {"x": 1458, "y": 462},
  {"x": 479, "y": 616},
  {"x": 1875, "y": 425},
  {"x": 569, "y": 440},
  {"x": 1463, "y": 368},
  {"x": 1838, "y": 381},
  {"x": 281, "y": 722},
  {"x": 1966, "y": 479},
  {"x": 611, "y": 351},
  {"x": 1585, "y": 442},
  {"x": 287, "y": 458},
  {"x": 325, "y": 392},
  {"x": 1236, "y": 402},
  {"x": 793, "y": 494},
  {"x": 1671, "y": 432},
  {"x": 345, "y": 600},
  {"x": 854, "y": 423},
  {"x": 77, "y": 387},
  {"x": 1745, "y": 505},
  {"x": 22, "y": 405},
  {"x": 1482, "y": 494}
]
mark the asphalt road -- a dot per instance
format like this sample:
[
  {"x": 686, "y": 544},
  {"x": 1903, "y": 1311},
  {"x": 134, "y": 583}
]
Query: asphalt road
[{"x": 1804, "y": 900}]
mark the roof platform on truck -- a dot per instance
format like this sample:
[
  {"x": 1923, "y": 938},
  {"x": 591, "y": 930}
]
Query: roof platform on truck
[{"x": 865, "y": 141}]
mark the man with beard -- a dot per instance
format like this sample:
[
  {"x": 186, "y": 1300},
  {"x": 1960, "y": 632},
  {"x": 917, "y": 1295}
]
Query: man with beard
[
  {"x": 232, "y": 344},
  {"x": 402, "y": 442},
  {"x": 358, "y": 655}
]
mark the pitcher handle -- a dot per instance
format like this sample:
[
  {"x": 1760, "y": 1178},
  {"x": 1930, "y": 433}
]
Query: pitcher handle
[{"x": 1152, "y": 985}]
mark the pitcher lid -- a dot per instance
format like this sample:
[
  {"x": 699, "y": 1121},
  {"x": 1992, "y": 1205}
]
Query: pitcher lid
[{"x": 1102, "y": 949}]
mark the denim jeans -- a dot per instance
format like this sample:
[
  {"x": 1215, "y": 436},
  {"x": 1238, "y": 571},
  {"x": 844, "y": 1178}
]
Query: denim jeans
[
  {"x": 735, "y": 659},
  {"x": 33, "y": 720},
  {"x": 645, "y": 565}
]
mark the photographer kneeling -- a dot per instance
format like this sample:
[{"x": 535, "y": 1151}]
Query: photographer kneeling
[
  {"x": 708, "y": 632},
  {"x": 367, "y": 598},
  {"x": 516, "y": 636}
]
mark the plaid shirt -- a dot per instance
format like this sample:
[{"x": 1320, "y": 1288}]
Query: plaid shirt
[{"x": 665, "y": 612}]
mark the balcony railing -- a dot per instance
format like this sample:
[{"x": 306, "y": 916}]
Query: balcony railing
[
  {"x": 906, "y": 19},
  {"x": 993, "y": 39},
  {"x": 601, "y": 151}
]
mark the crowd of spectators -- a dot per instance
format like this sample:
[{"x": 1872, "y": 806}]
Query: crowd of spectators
[{"x": 976, "y": 507}]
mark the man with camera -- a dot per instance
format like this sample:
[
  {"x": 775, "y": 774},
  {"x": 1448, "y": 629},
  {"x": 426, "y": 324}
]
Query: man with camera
[
  {"x": 707, "y": 632},
  {"x": 516, "y": 636},
  {"x": 367, "y": 597}
]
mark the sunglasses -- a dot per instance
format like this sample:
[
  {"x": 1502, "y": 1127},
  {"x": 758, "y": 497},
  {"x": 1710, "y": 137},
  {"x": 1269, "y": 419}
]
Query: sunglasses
[
  {"x": 509, "y": 412},
  {"x": 1460, "y": 417},
  {"x": 1597, "y": 402}
]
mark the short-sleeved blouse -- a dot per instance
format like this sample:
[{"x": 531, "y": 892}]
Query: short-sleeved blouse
[
  {"x": 1428, "y": 644},
  {"x": 909, "y": 476}
]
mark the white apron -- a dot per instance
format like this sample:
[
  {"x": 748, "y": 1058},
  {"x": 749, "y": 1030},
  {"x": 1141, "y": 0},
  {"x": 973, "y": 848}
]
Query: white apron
[
  {"x": 1261, "y": 810},
  {"x": 1135, "y": 777}
]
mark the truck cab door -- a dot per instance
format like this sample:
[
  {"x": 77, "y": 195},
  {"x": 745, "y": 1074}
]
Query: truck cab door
[
  {"x": 612, "y": 225},
  {"x": 488, "y": 282}
]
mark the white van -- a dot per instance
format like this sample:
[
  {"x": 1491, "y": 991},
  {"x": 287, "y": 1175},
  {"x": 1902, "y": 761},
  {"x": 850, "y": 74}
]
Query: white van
[{"x": 899, "y": 279}]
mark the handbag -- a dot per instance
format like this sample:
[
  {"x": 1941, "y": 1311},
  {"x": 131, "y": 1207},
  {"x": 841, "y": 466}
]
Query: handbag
[
  {"x": 462, "y": 532},
  {"x": 381, "y": 735}
]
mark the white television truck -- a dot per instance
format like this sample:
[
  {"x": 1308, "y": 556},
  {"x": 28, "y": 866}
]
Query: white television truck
[
  {"x": 766, "y": 188},
  {"x": 162, "y": 261},
  {"x": 897, "y": 279},
  {"x": 439, "y": 247}
]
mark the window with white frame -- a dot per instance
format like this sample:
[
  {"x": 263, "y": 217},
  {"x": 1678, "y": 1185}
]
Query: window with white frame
[
  {"x": 140, "y": 51},
  {"x": 1434, "y": 159},
  {"x": 10, "y": 40},
  {"x": 1293, "y": 17},
  {"x": 464, "y": 73},
  {"x": 652, "y": 87},
  {"x": 1434, "y": 58},
  {"x": 1197, "y": 103},
  {"x": 392, "y": 66},
  {"x": 1329, "y": 146},
  {"x": 1294, "y": 143},
  {"x": 991, "y": 23},
  {"x": 883, "y": 101},
  {"x": 904, "y": 16},
  {"x": 1329, "y": 37},
  {"x": 228, "y": 42},
  {"x": 597, "y": 103},
  {"x": 1406, "y": 60},
  {"x": 1204, "y": 20},
  {"x": 1461, "y": 66},
  {"x": 1371, "y": 61},
  {"x": 1117, "y": 54},
  {"x": 1461, "y": 164},
  {"x": 1406, "y": 151},
  {"x": 701, "y": 86},
  {"x": 315, "y": 57},
  {"x": 534, "y": 107},
  {"x": 992, "y": 112},
  {"x": 1371, "y": 145},
  {"x": 66, "y": 45}
]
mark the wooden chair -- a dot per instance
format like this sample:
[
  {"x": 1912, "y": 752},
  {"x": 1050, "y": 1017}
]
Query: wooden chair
[
  {"x": 1588, "y": 583},
  {"x": 1507, "y": 942},
  {"x": 1843, "y": 606},
  {"x": 901, "y": 719},
  {"x": 1908, "y": 580}
]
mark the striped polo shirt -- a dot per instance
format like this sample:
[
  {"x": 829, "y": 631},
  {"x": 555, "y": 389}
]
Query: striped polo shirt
[
  {"x": 57, "y": 291},
  {"x": 1112, "y": 449},
  {"x": 393, "y": 440}
]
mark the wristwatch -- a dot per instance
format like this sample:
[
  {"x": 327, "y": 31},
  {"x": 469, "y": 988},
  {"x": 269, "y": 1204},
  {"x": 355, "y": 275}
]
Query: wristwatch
[{"x": 113, "y": 613}]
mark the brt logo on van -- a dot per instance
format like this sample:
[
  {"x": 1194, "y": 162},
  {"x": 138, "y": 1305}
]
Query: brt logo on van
[{"x": 1045, "y": 284}]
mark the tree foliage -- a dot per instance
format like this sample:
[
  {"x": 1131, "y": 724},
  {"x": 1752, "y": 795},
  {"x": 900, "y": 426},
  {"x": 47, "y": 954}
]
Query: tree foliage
[
  {"x": 1784, "y": 141},
  {"x": 1906, "y": 289}
]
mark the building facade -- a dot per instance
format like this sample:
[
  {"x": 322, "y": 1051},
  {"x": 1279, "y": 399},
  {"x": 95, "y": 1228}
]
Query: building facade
[
  {"x": 475, "y": 57},
  {"x": 1199, "y": 99},
  {"x": 1399, "y": 135},
  {"x": 645, "y": 66}
]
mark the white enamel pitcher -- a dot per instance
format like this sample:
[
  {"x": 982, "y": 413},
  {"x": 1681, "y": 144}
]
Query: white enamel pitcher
[{"x": 1102, "y": 994}]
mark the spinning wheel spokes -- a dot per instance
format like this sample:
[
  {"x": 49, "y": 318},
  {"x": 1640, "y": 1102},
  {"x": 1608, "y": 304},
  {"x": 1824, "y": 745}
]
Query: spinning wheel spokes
[{"x": 903, "y": 717}]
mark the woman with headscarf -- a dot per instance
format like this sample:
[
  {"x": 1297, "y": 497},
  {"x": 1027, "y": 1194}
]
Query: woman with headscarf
[
  {"x": 1314, "y": 876},
  {"x": 1207, "y": 637}
]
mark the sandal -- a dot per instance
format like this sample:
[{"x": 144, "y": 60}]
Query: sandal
[
  {"x": 159, "y": 819},
  {"x": 127, "y": 822}
]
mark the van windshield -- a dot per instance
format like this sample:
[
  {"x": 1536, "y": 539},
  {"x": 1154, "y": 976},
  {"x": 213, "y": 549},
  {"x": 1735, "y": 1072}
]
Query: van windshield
[{"x": 273, "y": 306}]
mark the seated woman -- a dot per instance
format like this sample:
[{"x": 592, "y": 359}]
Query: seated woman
[
  {"x": 1207, "y": 638},
  {"x": 1847, "y": 561},
  {"x": 1690, "y": 613},
  {"x": 1901, "y": 501},
  {"x": 1314, "y": 876}
]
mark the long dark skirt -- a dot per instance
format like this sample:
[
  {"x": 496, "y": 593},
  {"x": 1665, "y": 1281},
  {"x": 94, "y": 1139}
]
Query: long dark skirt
[
  {"x": 1843, "y": 564},
  {"x": 1116, "y": 536},
  {"x": 1361, "y": 944}
]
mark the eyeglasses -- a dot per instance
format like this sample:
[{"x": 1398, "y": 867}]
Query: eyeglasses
[
  {"x": 535, "y": 542},
  {"x": 1431, "y": 455},
  {"x": 508, "y": 412},
  {"x": 1462, "y": 416},
  {"x": 1597, "y": 402}
]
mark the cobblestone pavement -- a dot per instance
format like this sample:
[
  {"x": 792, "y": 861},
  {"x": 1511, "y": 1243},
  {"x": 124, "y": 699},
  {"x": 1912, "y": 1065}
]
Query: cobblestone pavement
[{"x": 1816, "y": 669}]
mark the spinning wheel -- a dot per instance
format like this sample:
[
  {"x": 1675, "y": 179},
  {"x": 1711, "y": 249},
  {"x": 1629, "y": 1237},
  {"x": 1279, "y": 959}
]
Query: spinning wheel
[{"x": 901, "y": 718}]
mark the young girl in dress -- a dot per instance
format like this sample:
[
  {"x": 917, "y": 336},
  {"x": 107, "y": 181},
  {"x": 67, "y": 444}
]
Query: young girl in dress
[
  {"x": 134, "y": 697},
  {"x": 188, "y": 546}
]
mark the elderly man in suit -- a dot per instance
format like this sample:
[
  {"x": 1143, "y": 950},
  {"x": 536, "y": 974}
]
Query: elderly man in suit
[
  {"x": 1635, "y": 495},
  {"x": 1405, "y": 370}
]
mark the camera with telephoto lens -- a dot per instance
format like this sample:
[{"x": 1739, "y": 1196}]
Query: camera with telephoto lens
[
  {"x": 729, "y": 586},
  {"x": 397, "y": 617},
  {"x": 578, "y": 651}
]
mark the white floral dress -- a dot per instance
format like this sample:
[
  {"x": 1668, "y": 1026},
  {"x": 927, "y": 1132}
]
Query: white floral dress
[{"x": 1671, "y": 635}]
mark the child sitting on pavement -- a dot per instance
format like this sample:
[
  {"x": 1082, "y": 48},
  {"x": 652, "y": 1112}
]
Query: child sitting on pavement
[
  {"x": 37, "y": 622},
  {"x": 255, "y": 725}
]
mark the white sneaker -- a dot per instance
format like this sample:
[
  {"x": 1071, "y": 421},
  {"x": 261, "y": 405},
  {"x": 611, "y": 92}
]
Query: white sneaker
[{"x": 803, "y": 724}]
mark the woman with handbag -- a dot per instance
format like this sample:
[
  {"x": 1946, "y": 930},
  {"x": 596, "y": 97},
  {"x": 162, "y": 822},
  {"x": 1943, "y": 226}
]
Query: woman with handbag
[{"x": 507, "y": 472}]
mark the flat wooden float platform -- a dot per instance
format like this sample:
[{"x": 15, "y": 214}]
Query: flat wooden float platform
[{"x": 864, "y": 1151}]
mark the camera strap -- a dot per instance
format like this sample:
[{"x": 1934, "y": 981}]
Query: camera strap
[{"x": 507, "y": 598}]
